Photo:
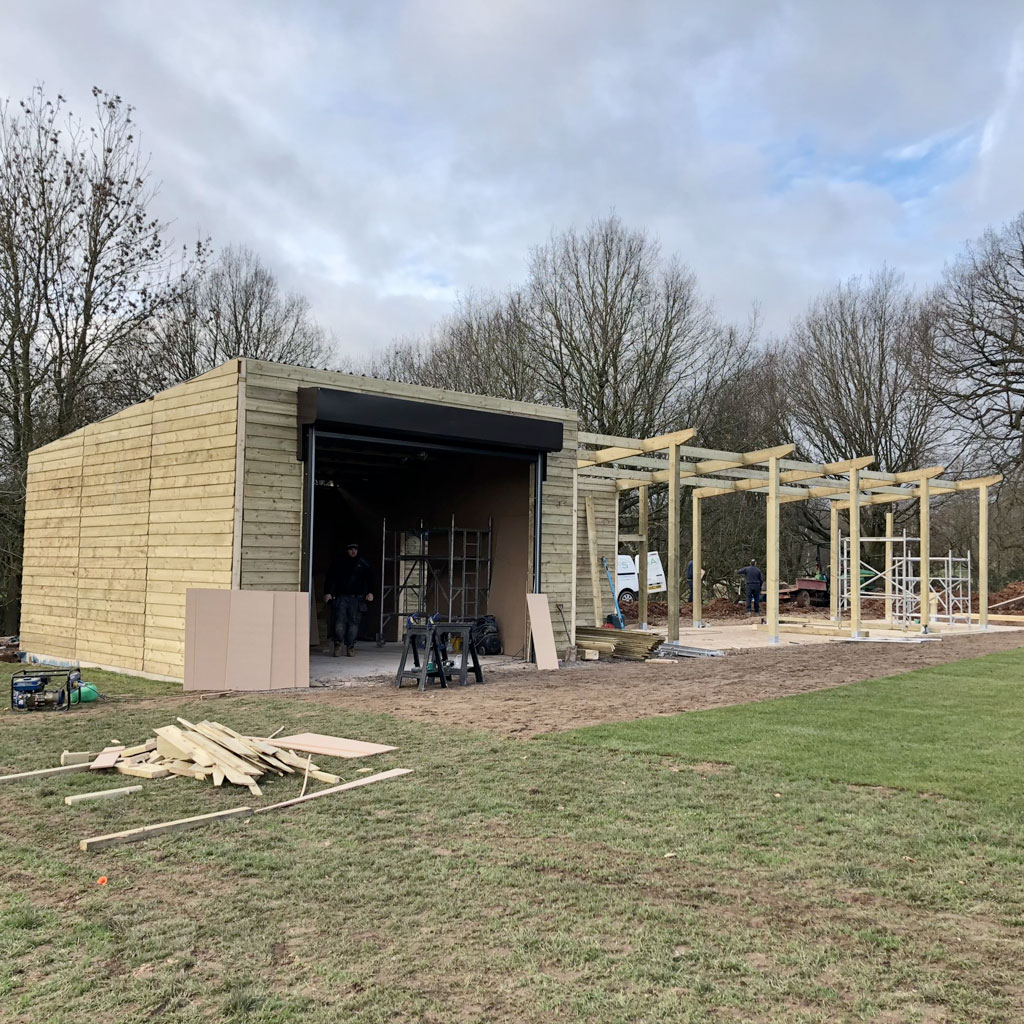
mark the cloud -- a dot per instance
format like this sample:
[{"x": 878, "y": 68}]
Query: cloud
[{"x": 385, "y": 157}]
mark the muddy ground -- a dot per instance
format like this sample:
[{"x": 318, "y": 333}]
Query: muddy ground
[{"x": 524, "y": 703}]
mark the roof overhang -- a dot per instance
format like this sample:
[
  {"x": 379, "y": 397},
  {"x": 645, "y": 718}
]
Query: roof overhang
[{"x": 380, "y": 416}]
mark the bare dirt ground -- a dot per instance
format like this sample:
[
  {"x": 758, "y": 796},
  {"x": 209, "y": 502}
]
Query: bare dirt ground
[{"x": 525, "y": 703}]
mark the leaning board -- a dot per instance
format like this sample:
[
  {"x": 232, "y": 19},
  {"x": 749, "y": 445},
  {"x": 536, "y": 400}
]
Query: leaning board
[{"x": 543, "y": 636}]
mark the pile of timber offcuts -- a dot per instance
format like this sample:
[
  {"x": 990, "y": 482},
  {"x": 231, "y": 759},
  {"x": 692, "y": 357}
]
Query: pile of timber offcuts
[
  {"x": 206, "y": 750},
  {"x": 630, "y": 644}
]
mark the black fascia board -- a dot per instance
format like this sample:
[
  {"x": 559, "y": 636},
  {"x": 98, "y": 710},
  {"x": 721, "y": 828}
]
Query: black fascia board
[{"x": 369, "y": 415}]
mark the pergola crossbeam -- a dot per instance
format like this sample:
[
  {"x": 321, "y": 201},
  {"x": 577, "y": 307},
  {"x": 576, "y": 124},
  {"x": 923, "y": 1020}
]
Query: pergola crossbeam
[{"x": 640, "y": 446}]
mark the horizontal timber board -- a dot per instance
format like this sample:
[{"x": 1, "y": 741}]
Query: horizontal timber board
[
  {"x": 220, "y": 579},
  {"x": 167, "y": 404},
  {"x": 263, "y": 515},
  {"x": 283, "y": 504},
  {"x": 253, "y": 580},
  {"x": 263, "y": 374}
]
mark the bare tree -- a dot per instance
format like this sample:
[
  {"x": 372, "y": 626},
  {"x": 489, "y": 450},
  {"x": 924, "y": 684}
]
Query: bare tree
[
  {"x": 83, "y": 267},
  {"x": 233, "y": 308},
  {"x": 617, "y": 329},
  {"x": 980, "y": 344},
  {"x": 483, "y": 347},
  {"x": 859, "y": 377},
  {"x": 246, "y": 314},
  {"x": 860, "y": 363}
]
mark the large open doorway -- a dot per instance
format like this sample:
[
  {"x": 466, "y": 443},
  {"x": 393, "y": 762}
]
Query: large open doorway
[{"x": 444, "y": 504}]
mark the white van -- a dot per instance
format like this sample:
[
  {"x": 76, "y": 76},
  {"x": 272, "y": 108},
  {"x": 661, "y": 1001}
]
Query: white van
[{"x": 627, "y": 577}]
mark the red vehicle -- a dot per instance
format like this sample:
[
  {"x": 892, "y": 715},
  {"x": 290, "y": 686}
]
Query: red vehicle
[{"x": 804, "y": 592}]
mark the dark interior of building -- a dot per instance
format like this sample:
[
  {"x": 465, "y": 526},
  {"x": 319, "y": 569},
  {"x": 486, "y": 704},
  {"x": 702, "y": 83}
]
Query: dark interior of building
[{"x": 444, "y": 531}]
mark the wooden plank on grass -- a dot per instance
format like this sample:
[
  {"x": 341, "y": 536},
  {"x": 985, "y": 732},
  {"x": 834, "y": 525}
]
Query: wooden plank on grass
[
  {"x": 78, "y": 757},
  {"x": 223, "y": 756},
  {"x": 330, "y": 746},
  {"x": 170, "y": 750},
  {"x": 43, "y": 772},
  {"x": 135, "y": 835},
  {"x": 108, "y": 757},
  {"x": 142, "y": 771},
  {"x": 189, "y": 771},
  {"x": 540, "y": 629},
  {"x": 379, "y": 777},
  {"x": 141, "y": 748},
  {"x": 101, "y": 794}
]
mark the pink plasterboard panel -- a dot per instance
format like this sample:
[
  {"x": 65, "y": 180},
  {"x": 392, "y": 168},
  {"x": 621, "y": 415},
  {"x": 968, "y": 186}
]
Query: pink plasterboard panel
[
  {"x": 543, "y": 635},
  {"x": 330, "y": 746}
]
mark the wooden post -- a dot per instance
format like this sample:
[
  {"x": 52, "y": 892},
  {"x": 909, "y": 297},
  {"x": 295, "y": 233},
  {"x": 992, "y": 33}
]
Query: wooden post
[
  {"x": 642, "y": 581},
  {"x": 983, "y": 556},
  {"x": 890, "y": 518},
  {"x": 595, "y": 564},
  {"x": 673, "y": 542},
  {"x": 698, "y": 572},
  {"x": 772, "y": 603},
  {"x": 833, "y": 561},
  {"x": 926, "y": 554},
  {"x": 854, "y": 552}
]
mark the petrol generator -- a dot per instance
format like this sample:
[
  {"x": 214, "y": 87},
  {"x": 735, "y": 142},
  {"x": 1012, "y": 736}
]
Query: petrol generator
[{"x": 49, "y": 691}]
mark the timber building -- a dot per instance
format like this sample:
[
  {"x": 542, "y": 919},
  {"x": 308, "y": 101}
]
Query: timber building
[{"x": 254, "y": 475}]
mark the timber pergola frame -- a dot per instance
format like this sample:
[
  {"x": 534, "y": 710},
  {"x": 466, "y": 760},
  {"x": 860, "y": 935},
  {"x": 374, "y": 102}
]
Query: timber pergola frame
[{"x": 847, "y": 485}]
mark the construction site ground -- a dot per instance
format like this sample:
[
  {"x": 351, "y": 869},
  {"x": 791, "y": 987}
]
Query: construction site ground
[{"x": 525, "y": 703}]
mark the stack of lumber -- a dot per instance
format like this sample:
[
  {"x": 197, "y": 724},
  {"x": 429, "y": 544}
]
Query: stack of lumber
[
  {"x": 206, "y": 750},
  {"x": 631, "y": 644}
]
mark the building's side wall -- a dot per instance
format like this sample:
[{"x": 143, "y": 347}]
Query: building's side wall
[
  {"x": 606, "y": 516},
  {"x": 272, "y": 497},
  {"x": 272, "y": 488},
  {"x": 143, "y": 506},
  {"x": 110, "y": 623},
  {"x": 49, "y": 587},
  {"x": 191, "y": 507}
]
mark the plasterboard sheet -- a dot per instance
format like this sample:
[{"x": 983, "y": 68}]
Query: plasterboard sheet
[
  {"x": 246, "y": 639},
  {"x": 543, "y": 635},
  {"x": 329, "y": 746}
]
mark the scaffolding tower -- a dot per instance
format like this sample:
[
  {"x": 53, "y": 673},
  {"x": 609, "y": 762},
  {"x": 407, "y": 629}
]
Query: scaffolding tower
[
  {"x": 427, "y": 571},
  {"x": 899, "y": 582}
]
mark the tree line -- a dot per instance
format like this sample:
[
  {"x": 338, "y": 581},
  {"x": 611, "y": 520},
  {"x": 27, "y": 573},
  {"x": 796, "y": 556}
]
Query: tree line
[
  {"x": 99, "y": 308},
  {"x": 609, "y": 325}
]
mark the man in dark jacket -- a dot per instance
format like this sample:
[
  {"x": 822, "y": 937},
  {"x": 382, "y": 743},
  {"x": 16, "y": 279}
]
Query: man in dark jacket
[
  {"x": 755, "y": 581},
  {"x": 348, "y": 587}
]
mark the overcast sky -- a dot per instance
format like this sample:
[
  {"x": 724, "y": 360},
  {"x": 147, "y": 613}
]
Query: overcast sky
[{"x": 385, "y": 156}]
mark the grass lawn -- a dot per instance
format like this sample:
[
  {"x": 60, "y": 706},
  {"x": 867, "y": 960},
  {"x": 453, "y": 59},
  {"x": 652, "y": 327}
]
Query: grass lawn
[
  {"x": 955, "y": 730},
  {"x": 707, "y": 867}
]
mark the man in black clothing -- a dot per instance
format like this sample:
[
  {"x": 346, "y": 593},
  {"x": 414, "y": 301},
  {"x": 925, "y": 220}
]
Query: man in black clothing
[
  {"x": 755, "y": 581},
  {"x": 348, "y": 587}
]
